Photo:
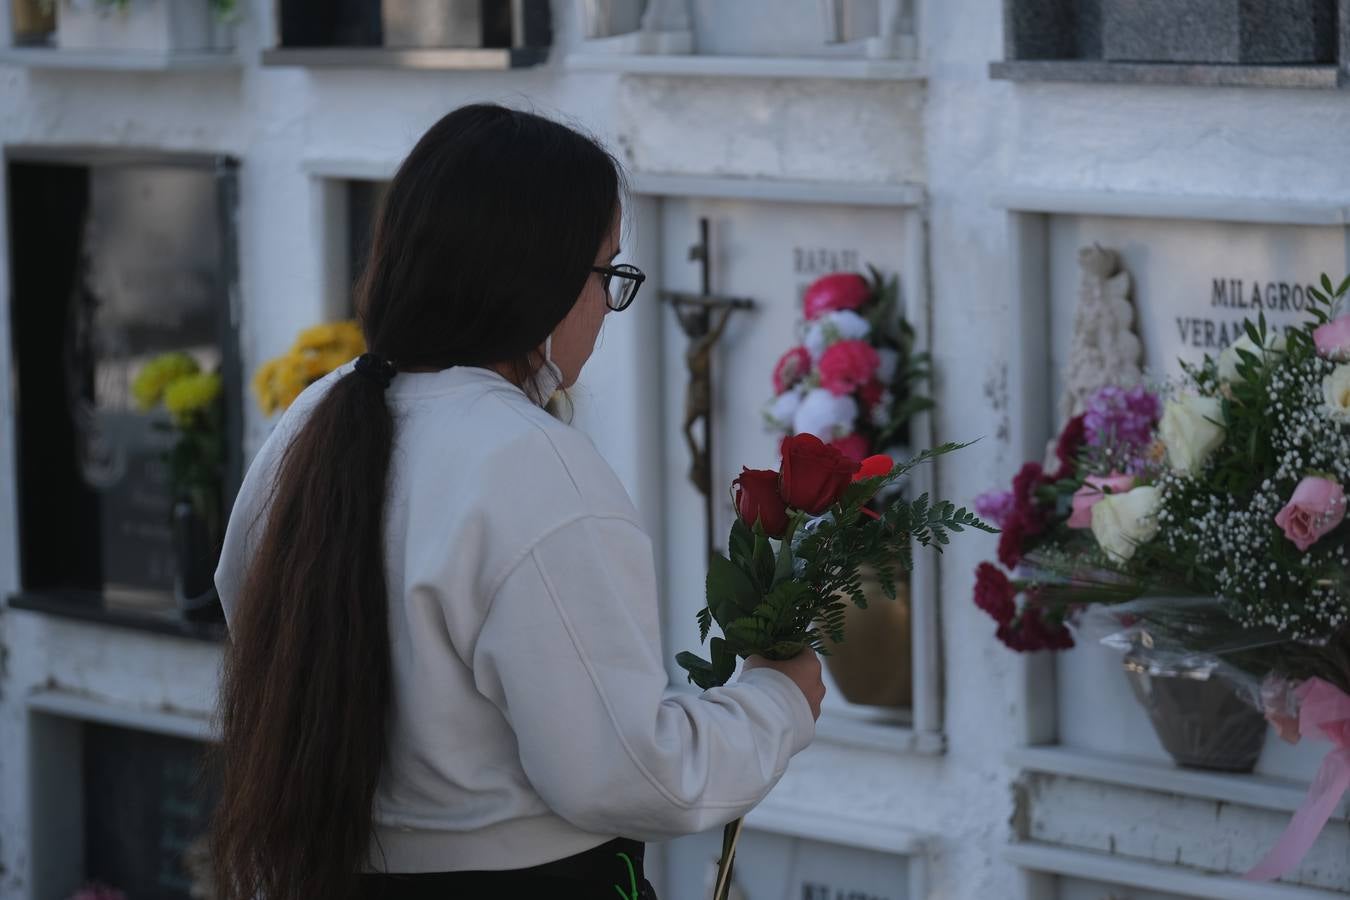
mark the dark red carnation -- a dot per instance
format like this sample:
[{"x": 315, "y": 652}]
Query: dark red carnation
[
  {"x": 869, "y": 395},
  {"x": 994, "y": 593},
  {"x": 1069, "y": 445},
  {"x": 1011, "y": 538}
]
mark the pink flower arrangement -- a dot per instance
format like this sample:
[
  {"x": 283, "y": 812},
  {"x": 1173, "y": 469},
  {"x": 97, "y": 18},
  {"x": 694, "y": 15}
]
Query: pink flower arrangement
[
  {"x": 1333, "y": 339},
  {"x": 792, "y": 368},
  {"x": 1094, "y": 488},
  {"x": 1316, "y": 507},
  {"x": 846, "y": 366},
  {"x": 850, "y": 380},
  {"x": 834, "y": 292}
]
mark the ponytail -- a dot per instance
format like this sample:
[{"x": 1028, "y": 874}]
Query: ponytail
[{"x": 306, "y": 681}]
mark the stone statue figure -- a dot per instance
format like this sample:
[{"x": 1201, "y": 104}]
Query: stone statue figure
[
  {"x": 1105, "y": 349},
  {"x": 699, "y": 395}
]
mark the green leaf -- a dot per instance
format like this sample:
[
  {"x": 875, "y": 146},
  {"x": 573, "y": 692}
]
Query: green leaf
[
  {"x": 700, "y": 671},
  {"x": 723, "y": 661},
  {"x": 763, "y": 561},
  {"x": 704, "y": 624},
  {"x": 741, "y": 543},
  {"x": 729, "y": 589}
]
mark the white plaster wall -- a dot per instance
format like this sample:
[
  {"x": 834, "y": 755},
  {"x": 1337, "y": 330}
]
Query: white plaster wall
[{"x": 963, "y": 134}]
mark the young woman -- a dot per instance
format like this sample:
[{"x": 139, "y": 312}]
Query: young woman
[{"x": 445, "y": 671}]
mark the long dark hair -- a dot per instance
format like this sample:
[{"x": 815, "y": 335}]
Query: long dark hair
[{"x": 485, "y": 240}]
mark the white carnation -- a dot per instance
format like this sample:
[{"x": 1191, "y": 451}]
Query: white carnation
[
  {"x": 825, "y": 415},
  {"x": 840, "y": 325},
  {"x": 890, "y": 361},
  {"x": 1336, "y": 393},
  {"x": 782, "y": 409},
  {"x": 881, "y": 413}
]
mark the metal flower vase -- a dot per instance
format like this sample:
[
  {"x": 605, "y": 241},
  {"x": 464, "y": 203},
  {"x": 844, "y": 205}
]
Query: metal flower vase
[
  {"x": 873, "y": 665},
  {"x": 1200, "y": 719},
  {"x": 195, "y": 555}
]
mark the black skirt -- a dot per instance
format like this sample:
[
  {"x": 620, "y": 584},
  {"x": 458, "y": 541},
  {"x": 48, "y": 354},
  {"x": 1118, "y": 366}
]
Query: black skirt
[{"x": 590, "y": 875}]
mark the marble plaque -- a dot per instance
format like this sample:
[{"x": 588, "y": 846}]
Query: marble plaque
[{"x": 1194, "y": 283}]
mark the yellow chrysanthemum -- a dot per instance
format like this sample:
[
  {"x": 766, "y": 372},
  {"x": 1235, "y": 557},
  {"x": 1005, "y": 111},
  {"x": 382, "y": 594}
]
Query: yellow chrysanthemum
[
  {"x": 148, "y": 386},
  {"x": 317, "y": 351},
  {"x": 190, "y": 394}
]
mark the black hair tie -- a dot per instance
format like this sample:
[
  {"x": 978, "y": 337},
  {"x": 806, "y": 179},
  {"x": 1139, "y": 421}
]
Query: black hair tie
[{"x": 376, "y": 368}]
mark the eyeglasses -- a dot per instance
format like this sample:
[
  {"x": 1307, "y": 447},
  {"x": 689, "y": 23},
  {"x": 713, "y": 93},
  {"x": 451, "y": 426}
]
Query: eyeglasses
[{"x": 620, "y": 293}]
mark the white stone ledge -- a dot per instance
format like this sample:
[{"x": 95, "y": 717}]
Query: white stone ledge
[
  {"x": 749, "y": 66},
  {"x": 1173, "y": 879},
  {"x": 87, "y": 709},
  {"x": 1280, "y": 211},
  {"x": 818, "y": 824},
  {"x": 1261, "y": 791},
  {"x": 778, "y": 190},
  {"x": 111, "y": 61}
]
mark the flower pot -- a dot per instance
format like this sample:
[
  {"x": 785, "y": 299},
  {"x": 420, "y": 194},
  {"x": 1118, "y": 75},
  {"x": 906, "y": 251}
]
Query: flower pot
[
  {"x": 1199, "y": 718},
  {"x": 444, "y": 23},
  {"x": 1219, "y": 31},
  {"x": 195, "y": 556},
  {"x": 873, "y": 665},
  {"x": 32, "y": 25},
  {"x": 141, "y": 26}
]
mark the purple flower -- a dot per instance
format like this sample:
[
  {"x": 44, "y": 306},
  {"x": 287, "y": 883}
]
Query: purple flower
[
  {"x": 1123, "y": 419},
  {"x": 995, "y": 506}
]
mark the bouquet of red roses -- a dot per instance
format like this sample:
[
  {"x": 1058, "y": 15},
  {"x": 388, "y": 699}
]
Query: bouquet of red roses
[{"x": 774, "y": 602}]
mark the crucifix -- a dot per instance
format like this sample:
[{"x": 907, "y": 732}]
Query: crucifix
[{"x": 703, "y": 319}]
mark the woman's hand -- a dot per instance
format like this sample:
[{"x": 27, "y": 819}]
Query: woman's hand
[{"x": 803, "y": 669}]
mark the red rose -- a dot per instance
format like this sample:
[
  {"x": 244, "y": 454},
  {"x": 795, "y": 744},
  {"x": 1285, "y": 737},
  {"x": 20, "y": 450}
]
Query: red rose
[
  {"x": 791, "y": 368},
  {"x": 994, "y": 593},
  {"x": 854, "y": 446},
  {"x": 840, "y": 290},
  {"x": 846, "y": 366},
  {"x": 813, "y": 474},
  {"x": 757, "y": 500}
]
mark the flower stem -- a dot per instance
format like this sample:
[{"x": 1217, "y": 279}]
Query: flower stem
[{"x": 730, "y": 834}]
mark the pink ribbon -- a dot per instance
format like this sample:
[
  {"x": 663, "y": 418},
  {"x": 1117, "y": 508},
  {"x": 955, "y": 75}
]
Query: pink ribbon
[{"x": 1324, "y": 714}]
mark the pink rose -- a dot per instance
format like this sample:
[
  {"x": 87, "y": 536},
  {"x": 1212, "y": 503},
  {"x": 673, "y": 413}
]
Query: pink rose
[
  {"x": 792, "y": 368},
  {"x": 1318, "y": 506},
  {"x": 1333, "y": 339},
  {"x": 846, "y": 366},
  {"x": 1093, "y": 491},
  {"x": 840, "y": 290}
]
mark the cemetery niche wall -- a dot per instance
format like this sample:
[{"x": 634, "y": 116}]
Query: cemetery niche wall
[
  {"x": 118, "y": 263},
  {"x": 1091, "y": 745}
]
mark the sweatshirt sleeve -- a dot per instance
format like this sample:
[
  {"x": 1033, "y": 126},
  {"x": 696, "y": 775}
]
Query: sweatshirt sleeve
[{"x": 570, "y": 652}]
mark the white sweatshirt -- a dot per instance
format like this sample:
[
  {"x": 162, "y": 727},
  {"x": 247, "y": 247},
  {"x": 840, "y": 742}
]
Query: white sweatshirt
[{"x": 532, "y": 715}]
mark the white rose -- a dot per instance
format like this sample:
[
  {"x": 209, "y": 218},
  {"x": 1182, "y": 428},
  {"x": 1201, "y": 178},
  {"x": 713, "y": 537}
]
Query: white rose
[
  {"x": 1121, "y": 522},
  {"x": 1336, "y": 392},
  {"x": 782, "y": 409},
  {"x": 1190, "y": 432},
  {"x": 890, "y": 361},
  {"x": 1229, "y": 359},
  {"x": 826, "y": 416},
  {"x": 840, "y": 325}
]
